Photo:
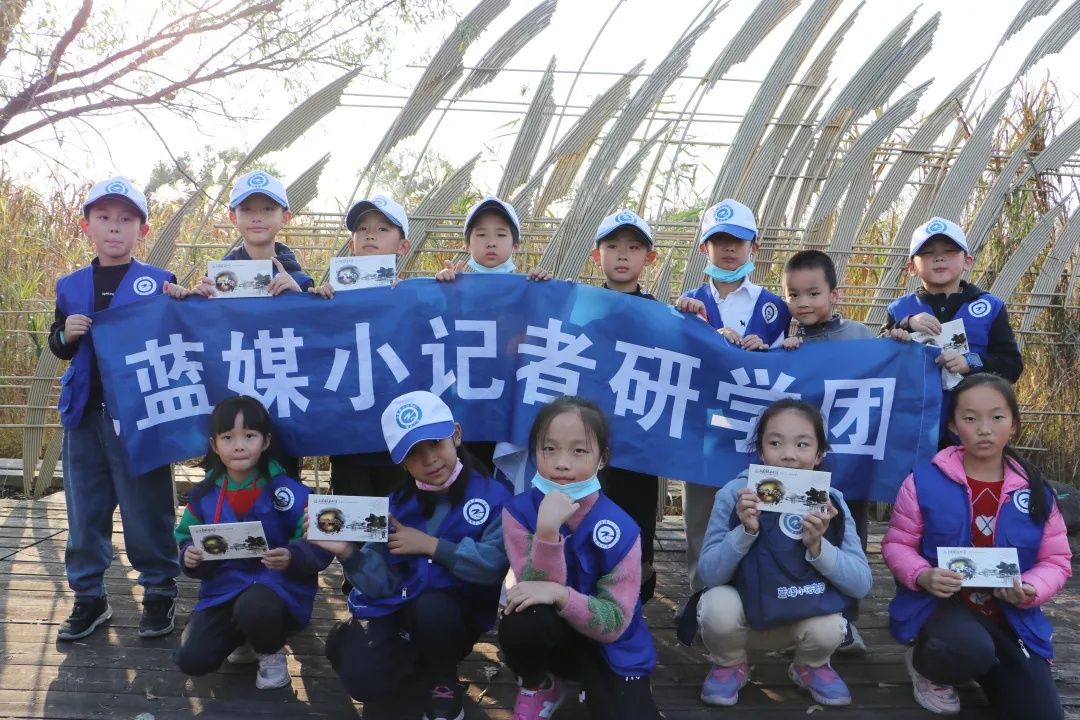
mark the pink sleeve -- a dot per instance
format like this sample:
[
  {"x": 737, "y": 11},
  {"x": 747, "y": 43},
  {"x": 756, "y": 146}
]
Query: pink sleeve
[
  {"x": 605, "y": 616},
  {"x": 532, "y": 559},
  {"x": 1053, "y": 564},
  {"x": 900, "y": 548}
]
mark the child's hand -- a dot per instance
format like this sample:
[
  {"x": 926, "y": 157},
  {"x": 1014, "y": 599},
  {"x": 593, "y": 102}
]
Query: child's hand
[
  {"x": 325, "y": 291},
  {"x": 792, "y": 343},
  {"x": 555, "y": 509},
  {"x": 746, "y": 508},
  {"x": 405, "y": 540},
  {"x": 75, "y": 327},
  {"x": 175, "y": 291},
  {"x": 536, "y": 592},
  {"x": 204, "y": 287},
  {"x": 450, "y": 272},
  {"x": 954, "y": 362},
  {"x": 192, "y": 557},
  {"x": 814, "y": 526},
  {"x": 277, "y": 558},
  {"x": 753, "y": 342},
  {"x": 1018, "y": 594},
  {"x": 341, "y": 549},
  {"x": 282, "y": 282},
  {"x": 730, "y": 335},
  {"x": 691, "y": 306},
  {"x": 926, "y": 323},
  {"x": 539, "y": 274},
  {"x": 898, "y": 334},
  {"x": 940, "y": 582}
]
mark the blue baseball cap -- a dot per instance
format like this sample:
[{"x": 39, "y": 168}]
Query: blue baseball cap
[
  {"x": 731, "y": 217},
  {"x": 623, "y": 218},
  {"x": 117, "y": 188},
  {"x": 394, "y": 212},
  {"x": 414, "y": 417},
  {"x": 938, "y": 226},
  {"x": 505, "y": 209},
  {"x": 258, "y": 183}
]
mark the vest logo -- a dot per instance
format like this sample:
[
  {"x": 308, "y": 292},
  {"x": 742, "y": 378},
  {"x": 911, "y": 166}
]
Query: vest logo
[
  {"x": 793, "y": 591},
  {"x": 769, "y": 312},
  {"x": 1022, "y": 500},
  {"x": 791, "y": 525},
  {"x": 117, "y": 188},
  {"x": 145, "y": 286},
  {"x": 935, "y": 227},
  {"x": 724, "y": 212},
  {"x": 408, "y": 415},
  {"x": 476, "y": 511},
  {"x": 258, "y": 180},
  {"x": 979, "y": 308},
  {"x": 283, "y": 499},
  {"x": 605, "y": 534},
  {"x": 625, "y": 217}
]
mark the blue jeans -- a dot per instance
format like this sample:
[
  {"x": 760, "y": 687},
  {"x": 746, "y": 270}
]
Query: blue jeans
[{"x": 96, "y": 480}]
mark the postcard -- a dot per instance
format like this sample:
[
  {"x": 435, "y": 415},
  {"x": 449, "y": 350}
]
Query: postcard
[
  {"x": 355, "y": 273},
  {"x": 953, "y": 337},
  {"x": 240, "y": 278},
  {"x": 787, "y": 490},
  {"x": 347, "y": 517},
  {"x": 981, "y": 566},
  {"x": 229, "y": 541}
]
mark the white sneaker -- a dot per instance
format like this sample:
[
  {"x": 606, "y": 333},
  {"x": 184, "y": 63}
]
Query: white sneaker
[
  {"x": 273, "y": 671},
  {"x": 853, "y": 643},
  {"x": 242, "y": 655},
  {"x": 939, "y": 699}
]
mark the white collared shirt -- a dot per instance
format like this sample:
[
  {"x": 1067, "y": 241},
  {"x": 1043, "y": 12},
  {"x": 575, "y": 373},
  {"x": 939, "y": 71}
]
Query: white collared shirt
[{"x": 738, "y": 306}]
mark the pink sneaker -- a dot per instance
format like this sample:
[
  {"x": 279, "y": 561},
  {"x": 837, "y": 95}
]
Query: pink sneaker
[
  {"x": 938, "y": 699},
  {"x": 539, "y": 704}
]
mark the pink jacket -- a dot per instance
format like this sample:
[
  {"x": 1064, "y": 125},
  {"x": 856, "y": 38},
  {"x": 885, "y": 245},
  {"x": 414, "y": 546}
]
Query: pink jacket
[{"x": 1053, "y": 565}]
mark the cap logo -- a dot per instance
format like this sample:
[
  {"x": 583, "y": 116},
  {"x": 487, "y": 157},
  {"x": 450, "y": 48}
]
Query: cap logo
[
  {"x": 117, "y": 188},
  {"x": 408, "y": 416},
  {"x": 791, "y": 525},
  {"x": 144, "y": 286},
  {"x": 979, "y": 308},
  {"x": 283, "y": 499},
  {"x": 625, "y": 217},
  {"x": 379, "y": 202},
  {"x": 605, "y": 534},
  {"x": 724, "y": 212},
  {"x": 937, "y": 226},
  {"x": 258, "y": 180},
  {"x": 476, "y": 511},
  {"x": 769, "y": 312},
  {"x": 1022, "y": 500}
]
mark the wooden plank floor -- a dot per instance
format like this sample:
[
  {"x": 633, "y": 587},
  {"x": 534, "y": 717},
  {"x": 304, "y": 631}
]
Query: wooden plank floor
[{"x": 114, "y": 674}]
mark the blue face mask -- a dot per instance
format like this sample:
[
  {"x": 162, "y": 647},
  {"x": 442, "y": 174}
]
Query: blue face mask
[
  {"x": 506, "y": 267},
  {"x": 729, "y": 276},
  {"x": 576, "y": 490}
]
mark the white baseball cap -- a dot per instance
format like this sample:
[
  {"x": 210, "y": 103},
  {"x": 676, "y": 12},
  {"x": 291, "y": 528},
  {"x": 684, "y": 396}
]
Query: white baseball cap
[
  {"x": 414, "y": 417},
  {"x": 491, "y": 202},
  {"x": 623, "y": 218},
  {"x": 120, "y": 189},
  {"x": 938, "y": 226},
  {"x": 731, "y": 217},
  {"x": 258, "y": 183},
  {"x": 394, "y": 212}
]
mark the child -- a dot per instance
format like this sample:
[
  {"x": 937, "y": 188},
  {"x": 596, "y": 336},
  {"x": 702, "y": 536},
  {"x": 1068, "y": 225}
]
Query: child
[
  {"x": 492, "y": 235},
  {"x": 96, "y": 478},
  {"x": 421, "y": 601},
  {"x": 250, "y": 604},
  {"x": 980, "y": 494},
  {"x": 575, "y": 611},
  {"x": 750, "y": 559},
  {"x": 745, "y": 314}
]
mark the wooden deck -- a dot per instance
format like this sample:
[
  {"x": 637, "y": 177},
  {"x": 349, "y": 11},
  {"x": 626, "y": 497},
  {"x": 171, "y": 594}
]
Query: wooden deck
[{"x": 114, "y": 674}]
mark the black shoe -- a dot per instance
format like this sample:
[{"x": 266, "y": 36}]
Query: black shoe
[
  {"x": 157, "y": 617},
  {"x": 445, "y": 703},
  {"x": 85, "y": 618}
]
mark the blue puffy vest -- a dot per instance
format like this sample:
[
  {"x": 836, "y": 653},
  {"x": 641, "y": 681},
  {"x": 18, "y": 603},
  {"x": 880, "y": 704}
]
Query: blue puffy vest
[
  {"x": 75, "y": 296},
  {"x": 604, "y": 537},
  {"x": 978, "y": 316},
  {"x": 946, "y": 511},
  {"x": 769, "y": 320},
  {"x": 482, "y": 501},
  {"x": 280, "y": 507},
  {"x": 776, "y": 583}
]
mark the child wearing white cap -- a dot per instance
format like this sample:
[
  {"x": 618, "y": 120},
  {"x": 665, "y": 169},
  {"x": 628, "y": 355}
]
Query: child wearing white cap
[
  {"x": 420, "y": 601},
  {"x": 377, "y": 226},
  {"x": 492, "y": 235}
]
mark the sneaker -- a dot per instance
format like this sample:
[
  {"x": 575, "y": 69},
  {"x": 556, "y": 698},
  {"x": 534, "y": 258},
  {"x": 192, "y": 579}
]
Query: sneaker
[
  {"x": 939, "y": 699},
  {"x": 445, "y": 703},
  {"x": 824, "y": 684},
  {"x": 85, "y": 617},
  {"x": 243, "y": 655},
  {"x": 853, "y": 643},
  {"x": 722, "y": 684},
  {"x": 273, "y": 671},
  {"x": 539, "y": 704},
  {"x": 157, "y": 617}
]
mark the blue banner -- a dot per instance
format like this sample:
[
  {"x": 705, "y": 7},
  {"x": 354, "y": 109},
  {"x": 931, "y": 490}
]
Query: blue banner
[{"x": 682, "y": 401}]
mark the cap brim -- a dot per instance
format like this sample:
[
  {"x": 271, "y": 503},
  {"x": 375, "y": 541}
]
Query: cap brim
[
  {"x": 245, "y": 195},
  {"x": 640, "y": 232},
  {"x": 737, "y": 230},
  {"x": 114, "y": 196},
  {"x": 434, "y": 431},
  {"x": 358, "y": 210},
  {"x": 916, "y": 248}
]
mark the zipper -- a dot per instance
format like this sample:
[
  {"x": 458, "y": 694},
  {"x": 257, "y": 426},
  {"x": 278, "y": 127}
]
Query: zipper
[{"x": 1023, "y": 648}]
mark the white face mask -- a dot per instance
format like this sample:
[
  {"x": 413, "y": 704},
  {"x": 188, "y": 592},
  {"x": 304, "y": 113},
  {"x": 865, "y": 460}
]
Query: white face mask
[{"x": 504, "y": 268}]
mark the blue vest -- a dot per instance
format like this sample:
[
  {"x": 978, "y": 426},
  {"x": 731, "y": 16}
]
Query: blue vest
[
  {"x": 75, "y": 296},
  {"x": 769, "y": 320},
  {"x": 946, "y": 513},
  {"x": 605, "y": 536},
  {"x": 281, "y": 508},
  {"x": 481, "y": 503},
  {"x": 776, "y": 583},
  {"x": 978, "y": 316}
]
